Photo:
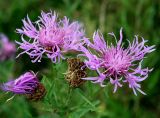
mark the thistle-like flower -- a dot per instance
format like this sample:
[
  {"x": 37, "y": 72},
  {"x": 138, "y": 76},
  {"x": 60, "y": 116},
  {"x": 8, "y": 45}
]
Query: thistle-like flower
[
  {"x": 117, "y": 64},
  {"x": 51, "y": 36},
  {"x": 7, "y": 48},
  {"x": 25, "y": 84}
]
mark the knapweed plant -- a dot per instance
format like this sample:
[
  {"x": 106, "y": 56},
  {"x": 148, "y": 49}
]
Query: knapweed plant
[
  {"x": 117, "y": 64},
  {"x": 54, "y": 38},
  {"x": 50, "y": 36},
  {"x": 7, "y": 48}
]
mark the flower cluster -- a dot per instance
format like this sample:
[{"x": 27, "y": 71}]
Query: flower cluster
[
  {"x": 51, "y": 36},
  {"x": 115, "y": 63},
  {"x": 55, "y": 37},
  {"x": 7, "y": 48}
]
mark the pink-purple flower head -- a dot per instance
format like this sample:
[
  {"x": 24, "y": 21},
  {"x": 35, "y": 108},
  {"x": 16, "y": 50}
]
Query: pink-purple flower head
[
  {"x": 7, "y": 48},
  {"x": 25, "y": 84},
  {"x": 51, "y": 36},
  {"x": 117, "y": 64}
]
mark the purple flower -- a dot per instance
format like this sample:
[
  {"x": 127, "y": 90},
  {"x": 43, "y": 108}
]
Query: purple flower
[
  {"x": 25, "y": 84},
  {"x": 51, "y": 36},
  {"x": 7, "y": 48},
  {"x": 117, "y": 64}
]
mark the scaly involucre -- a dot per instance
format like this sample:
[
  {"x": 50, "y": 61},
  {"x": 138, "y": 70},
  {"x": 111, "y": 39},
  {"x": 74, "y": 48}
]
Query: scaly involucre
[
  {"x": 117, "y": 64},
  {"x": 51, "y": 36},
  {"x": 7, "y": 48},
  {"x": 25, "y": 84}
]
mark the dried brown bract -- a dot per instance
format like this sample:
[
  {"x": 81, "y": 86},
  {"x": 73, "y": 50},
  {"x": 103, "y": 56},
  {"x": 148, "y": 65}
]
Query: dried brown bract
[
  {"x": 37, "y": 94},
  {"x": 76, "y": 71}
]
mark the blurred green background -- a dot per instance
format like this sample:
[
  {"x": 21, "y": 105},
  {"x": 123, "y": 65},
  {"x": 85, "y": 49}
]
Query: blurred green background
[{"x": 140, "y": 17}]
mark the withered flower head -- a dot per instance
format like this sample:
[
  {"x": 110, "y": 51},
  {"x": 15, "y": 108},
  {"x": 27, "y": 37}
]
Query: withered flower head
[{"x": 76, "y": 71}]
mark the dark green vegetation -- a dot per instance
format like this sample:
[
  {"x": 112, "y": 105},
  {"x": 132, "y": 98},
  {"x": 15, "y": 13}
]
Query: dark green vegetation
[{"x": 140, "y": 17}]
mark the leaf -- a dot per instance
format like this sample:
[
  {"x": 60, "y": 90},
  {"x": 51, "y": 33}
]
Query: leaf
[{"x": 83, "y": 109}]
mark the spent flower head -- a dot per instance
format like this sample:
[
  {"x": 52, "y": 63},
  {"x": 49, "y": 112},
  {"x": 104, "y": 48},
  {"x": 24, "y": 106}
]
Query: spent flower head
[
  {"x": 51, "y": 36},
  {"x": 7, "y": 48},
  {"x": 115, "y": 63},
  {"x": 25, "y": 84}
]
